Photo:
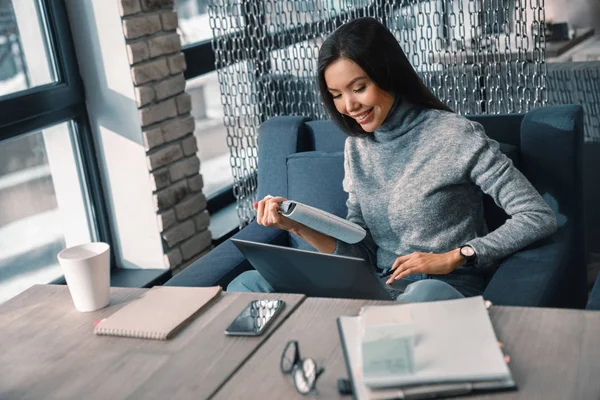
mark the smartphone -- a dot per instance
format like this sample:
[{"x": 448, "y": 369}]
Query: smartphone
[{"x": 255, "y": 317}]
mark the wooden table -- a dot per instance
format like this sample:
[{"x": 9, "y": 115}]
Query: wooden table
[
  {"x": 48, "y": 350},
  {"x": 555, "y": 353}
]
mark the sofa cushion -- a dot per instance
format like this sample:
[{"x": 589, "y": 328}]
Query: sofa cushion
[{"x": 315, "y": 178}]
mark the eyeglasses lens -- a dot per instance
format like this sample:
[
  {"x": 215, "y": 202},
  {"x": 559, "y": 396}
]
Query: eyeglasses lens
[{"x": 288, "y": 358}]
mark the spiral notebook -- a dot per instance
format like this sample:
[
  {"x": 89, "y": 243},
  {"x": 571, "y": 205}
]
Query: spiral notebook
[{"x": 159, "y": 313}]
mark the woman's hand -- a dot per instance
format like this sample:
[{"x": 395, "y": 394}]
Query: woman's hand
[
  {"x": 267, "y": 214},
  {"x": 425, "y": 263}
]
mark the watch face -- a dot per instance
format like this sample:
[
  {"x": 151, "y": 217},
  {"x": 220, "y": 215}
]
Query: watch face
[{"x": 467, "y": 251}]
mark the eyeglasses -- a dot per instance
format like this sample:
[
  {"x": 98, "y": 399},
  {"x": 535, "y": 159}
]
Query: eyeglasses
[{"x": 304, "y": 372}]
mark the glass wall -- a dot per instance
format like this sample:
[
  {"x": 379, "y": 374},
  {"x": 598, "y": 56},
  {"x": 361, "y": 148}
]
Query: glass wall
[
  {"x": 193, "y": 21},
  {"x": 25, "y": 57},
  {"x": 44, "y": 206},
  {"x": 50, "y": 193},
  {"x": 210, "y": 133}
]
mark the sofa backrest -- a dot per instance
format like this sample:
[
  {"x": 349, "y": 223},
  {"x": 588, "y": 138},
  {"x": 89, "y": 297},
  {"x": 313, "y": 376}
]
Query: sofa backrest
[
  {"x": 303, "y": 160},
  {"x": 314, "y": 172}
]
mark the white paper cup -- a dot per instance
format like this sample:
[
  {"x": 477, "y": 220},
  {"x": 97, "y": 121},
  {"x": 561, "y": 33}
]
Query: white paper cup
[{"x": 87, "y": 272}]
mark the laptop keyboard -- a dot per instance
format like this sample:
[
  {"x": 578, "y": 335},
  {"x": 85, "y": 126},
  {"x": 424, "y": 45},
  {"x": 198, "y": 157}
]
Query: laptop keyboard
[
  {"x": 400, "y": 286},
  {"x": 394, "y": 293}
]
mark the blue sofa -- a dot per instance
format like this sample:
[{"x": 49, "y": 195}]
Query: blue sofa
[{"x": 302, "y": 160}]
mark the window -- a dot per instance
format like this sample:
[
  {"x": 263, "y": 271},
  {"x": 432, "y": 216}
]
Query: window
[
  {"x": 44, "y": 206},
  {"x": 49, "y": 186},
  {"x": 194, "y": 24},
  {"x": 210, "y": 132},
  {"x": 25, "y": 58},
  {"x": 194, "y": 21}
]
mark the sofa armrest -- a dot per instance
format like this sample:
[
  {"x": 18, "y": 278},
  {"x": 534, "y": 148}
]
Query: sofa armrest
[
  {"x": 551, "y": 155},
  {"x": 535, "y": 276},
  {"x": 594, "y": 301},
  {"x": 551, "y": 150},
  {"x": 225, "y": 262}
]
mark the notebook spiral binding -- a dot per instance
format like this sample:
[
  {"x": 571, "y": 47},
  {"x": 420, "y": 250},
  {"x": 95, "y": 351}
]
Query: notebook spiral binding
[{"x": 131, "y": 333}]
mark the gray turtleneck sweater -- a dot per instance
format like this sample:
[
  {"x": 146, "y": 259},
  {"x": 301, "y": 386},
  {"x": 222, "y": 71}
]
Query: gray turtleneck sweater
[{"x": 416, "y": 184}]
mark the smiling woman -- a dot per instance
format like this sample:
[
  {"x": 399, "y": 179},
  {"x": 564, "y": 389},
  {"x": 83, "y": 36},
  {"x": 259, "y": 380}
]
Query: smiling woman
[{"x": 415, "y": 174}]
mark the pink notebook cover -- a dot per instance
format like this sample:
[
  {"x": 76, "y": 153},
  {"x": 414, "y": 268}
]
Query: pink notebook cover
[{"x": 159, "y": 313}]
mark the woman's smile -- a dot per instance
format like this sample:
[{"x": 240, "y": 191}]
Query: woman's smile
[{"x": 365, "y": 117}]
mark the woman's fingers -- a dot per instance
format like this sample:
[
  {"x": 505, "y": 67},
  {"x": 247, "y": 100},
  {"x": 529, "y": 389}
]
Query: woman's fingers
[
  {"x": 399, "y": 261},
  {"x": 407, "y": 272},
  {"x": 267, "y": 211},
  {"x": 401, "y": 270},
  {"x": 260, "y": 212},
  {"x": 399, "y": 274},
  {"x": 419, "y": 262},
  {"x": 272, "y": 209},
  {"x": 398, "y": 266}
]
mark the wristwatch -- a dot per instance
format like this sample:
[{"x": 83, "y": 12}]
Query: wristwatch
[{"x": 468, "y": 253}]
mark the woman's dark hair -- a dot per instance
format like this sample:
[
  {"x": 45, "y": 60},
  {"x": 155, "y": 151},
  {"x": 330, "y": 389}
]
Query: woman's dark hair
[{"x": 375, "y": 49}]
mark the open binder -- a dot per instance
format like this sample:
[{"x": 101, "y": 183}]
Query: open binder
[
  {"x": 456, "y": 352},
  {"x": 322, "y": 221}
]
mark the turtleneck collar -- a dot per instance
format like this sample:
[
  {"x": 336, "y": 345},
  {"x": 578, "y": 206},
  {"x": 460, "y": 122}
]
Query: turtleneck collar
[{"x": 402, "y": 117}]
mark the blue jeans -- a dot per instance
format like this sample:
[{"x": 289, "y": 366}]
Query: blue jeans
[{"x": 414, "y": 291}]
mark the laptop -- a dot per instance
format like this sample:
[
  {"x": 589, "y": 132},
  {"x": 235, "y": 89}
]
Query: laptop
[{"x": 314, "y": 274}]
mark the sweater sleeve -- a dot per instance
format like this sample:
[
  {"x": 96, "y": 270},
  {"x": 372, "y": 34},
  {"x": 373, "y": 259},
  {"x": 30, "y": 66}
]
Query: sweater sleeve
[
  {"x": 530, "y": 218},
  {"x": 366, "y": 248}
]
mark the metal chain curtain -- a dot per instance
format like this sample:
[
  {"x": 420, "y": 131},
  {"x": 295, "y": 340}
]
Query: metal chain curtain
[{"x": 478, "y": 56}]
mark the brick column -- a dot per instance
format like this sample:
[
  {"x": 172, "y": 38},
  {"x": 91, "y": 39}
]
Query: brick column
[{"x": 157, "y": 66}]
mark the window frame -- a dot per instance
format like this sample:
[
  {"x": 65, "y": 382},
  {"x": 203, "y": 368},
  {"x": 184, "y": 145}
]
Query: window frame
[{"x": 42, "y": 106}]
